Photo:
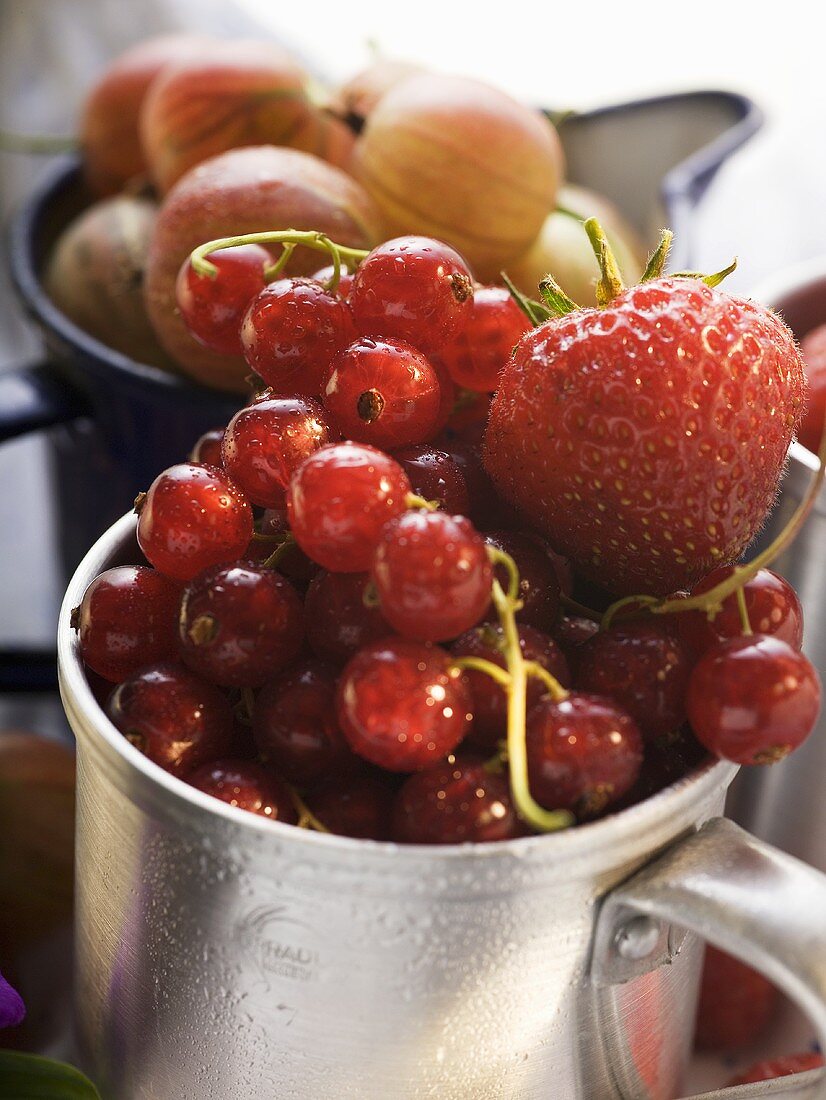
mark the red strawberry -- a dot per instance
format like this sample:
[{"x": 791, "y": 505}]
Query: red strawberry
[
  {"x": 778, "y": 1067},
  {"x": 736, "y": 1003},
  {"x": 646, "y": 439}
]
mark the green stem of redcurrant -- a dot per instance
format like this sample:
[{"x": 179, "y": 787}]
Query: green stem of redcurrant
[
  {"x": 507, "y": 603},
  {"x": 712, "y": 601},
  {"x": 275, "y": 557},
  {"x": 744, "y": 611},
  {"x": 319, "y": 242},
  {"x": 611, "y": 613},
  {"x": 272, "y": 273},
  {"x": 610, "y": 284},
  {"x": 306, "y": 817},
  {"x": 479, "y": 664},
  {"x": 413, "y": 500},
  {"x": 556, "y": 691}
]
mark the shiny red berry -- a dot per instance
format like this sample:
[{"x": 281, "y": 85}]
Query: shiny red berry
[
  {"x": 400, "y": 706},
  {"x": 584, "y": 753},
  {"x": 345, "y": 281},
  {"x": 772, "y": 605},
  {"x": 295, "y": 725},
  {"x": 213, "y": 307},
  {"x": 435, "y": 476},
  {"x": 643, "y": 668},
  {"x": 432, "y": 575},
  {"x": 268, "y": 440},
  {"x": 248, "y": 786},
  {"x": 240, "y": 624},
  {"x": 191, "y": 518},
  {"x": 127, "y": 619},
  {"x": 487, "y": 509},
  {"x": 291, "y": 333},
  {"x": 412, "y": 288},
  {"x": 173, "y": 717},
  {"x": 340, "y": 499},
  {"x": 360, "y": 807},
  {"x": 341, "y": 615},
  {"x": 457, "y": 801},
  {"x": 207, "y": 449},
  {"x": 490, "y": 700},
  {"x": 382, "y": 392},
  {"x": 753, "y": 699},
  {"x": 481, "y": 348},
  {"x": 538, "y": 580}
]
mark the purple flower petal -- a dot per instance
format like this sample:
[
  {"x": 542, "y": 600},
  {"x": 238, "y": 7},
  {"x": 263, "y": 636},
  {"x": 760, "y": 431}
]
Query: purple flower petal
[{"x": 12, "y": 1009}]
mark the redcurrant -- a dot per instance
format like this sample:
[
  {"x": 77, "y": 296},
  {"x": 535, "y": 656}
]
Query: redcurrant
[
  {"x": 340, "y": 499},
  {"x": 435, "y": 476},
  {"x": 191, "y": 518},
  {"x": 266, "y": 442},
  {"x": 483, "y": 345},
  {"x": 340, "y": 616},
  {"x": 401, "y": 706},
  {"x": 415, "y": 289},
  {"x": 213, "y": 306},
  {"x": 126, "y": 619},
  {"x": 753, "y": 699},
  {"x": 382, "y": 392},
  {"x": 291, "y": 333},
  {"x": 772, "y": 606},
  {"x": 172, "y": 716},
  {"x": 248, "y": 786}
]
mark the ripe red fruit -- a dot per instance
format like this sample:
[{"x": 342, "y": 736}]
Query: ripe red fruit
[
  {"x": 457, "y": 801},
  {"x": 432, "y": 574},
  {"x": 340, "y": 499},
  {"x": 481, "y": 348},
  {"x": 641, "y": 666},
  {"x": 753, "y": 699},
  {"x": 736, "y": 1003},
  {"x": 778, "y": 1067},
  {"x": 126, "y": 619},
  {"x": 247, "y": 785},
  {"x": 772, "y": 604},
  {"x": 207, "y": 449},
  {"x": 360, "y": 807},
  {"x": 813, "y": 347},
  {"x": 213, "y": 307},
  {"x": 400, "y": 706},
  {"x": 382, "y": 392},
  {"x": 268, "y": 440},
  {"x": 490, "y": 700},
  {"x": 340, "y": 617},
  {"x": 172, "y": 716},
  {"x": 412, "y": 288},
  {"x": 240, "y": 624},
  {"x": 191, "y": 518},
  {"x": 570, "y": 632},
  {"x": 345, "y": 281},
  {"x": 583, "y": 753},
  {"x": 434, "y": 475},
  {"x": 647, "y": 439},
  {"x": 291, "y": 333},
  {"x": 295, "y": 727}
]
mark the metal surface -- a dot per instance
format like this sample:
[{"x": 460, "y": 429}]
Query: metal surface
[
  {"x": 219, "y": 954},
  {"x": 784, "y": 804}
]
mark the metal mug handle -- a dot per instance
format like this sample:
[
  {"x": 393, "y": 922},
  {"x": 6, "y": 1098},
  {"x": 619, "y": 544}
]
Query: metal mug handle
[
  {"x": 738, "y": 893},
  {"x": 35, "y": 396}
]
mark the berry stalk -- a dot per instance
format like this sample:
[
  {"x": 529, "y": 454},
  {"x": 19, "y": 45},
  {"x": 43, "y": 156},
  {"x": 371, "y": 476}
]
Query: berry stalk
[
  {"x": 507, "y": 604},
  {"x": 289, "y": 239}
]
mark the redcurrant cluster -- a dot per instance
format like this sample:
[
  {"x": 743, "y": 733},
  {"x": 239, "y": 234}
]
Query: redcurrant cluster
[{"x": 340, "y": 624}]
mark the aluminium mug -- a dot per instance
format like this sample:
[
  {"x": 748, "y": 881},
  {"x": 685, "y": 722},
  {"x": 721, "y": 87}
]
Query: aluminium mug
[{"x": 219, "y": 954}]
